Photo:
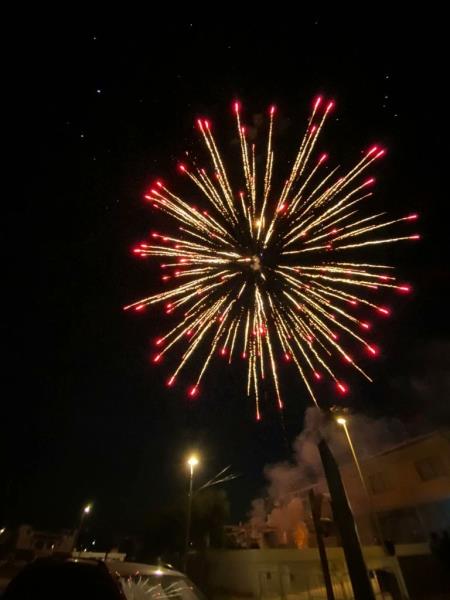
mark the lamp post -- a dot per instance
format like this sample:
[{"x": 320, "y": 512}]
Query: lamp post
[
  {"x": 343, "y": 423},
  {"x": 345, "y": 522},
  {"x": 84, "y": 513},
  {"x": 192, "y": 462}
]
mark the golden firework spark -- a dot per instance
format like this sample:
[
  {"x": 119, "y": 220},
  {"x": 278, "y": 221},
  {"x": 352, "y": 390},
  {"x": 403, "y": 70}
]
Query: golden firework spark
[{"x": 266, "y": 271}]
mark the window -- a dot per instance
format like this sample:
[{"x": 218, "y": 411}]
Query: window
[
  {"x": 430, "y": 468},
  {"x": 379, "y": 483}
]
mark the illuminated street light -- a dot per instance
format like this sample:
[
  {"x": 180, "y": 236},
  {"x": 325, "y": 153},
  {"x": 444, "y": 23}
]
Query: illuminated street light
[
  {"x": 86, "y": 511},
  {"x": 223, "y": 476},
  {"x": 192, "y": 462},
  {"x": 376, "y": 524}
]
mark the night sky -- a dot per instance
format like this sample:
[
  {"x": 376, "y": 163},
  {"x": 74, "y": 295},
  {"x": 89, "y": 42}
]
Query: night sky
[{"x": 85, "y": 415}]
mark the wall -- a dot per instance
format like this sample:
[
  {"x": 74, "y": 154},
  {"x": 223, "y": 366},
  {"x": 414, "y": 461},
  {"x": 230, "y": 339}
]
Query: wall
[{"x": 286, "y": 574}]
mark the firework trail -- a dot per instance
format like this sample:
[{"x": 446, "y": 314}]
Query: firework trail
[{"x": 272, "y": 274}]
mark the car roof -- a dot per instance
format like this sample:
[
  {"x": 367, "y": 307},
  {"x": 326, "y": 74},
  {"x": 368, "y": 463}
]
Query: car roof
[{"x": 125, "y": 569}]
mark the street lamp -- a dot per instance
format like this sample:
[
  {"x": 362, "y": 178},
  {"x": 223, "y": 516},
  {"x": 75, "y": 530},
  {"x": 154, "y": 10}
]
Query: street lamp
[
  {"x": 343, "y": 422},
  {"x": 192, "y": 462},
  {"x": 84, "y": 513}
]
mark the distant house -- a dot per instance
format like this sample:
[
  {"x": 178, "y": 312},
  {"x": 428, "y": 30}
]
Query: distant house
[
  {"x": 31, "y": 543},
  {"x": 27, "y": 543}
]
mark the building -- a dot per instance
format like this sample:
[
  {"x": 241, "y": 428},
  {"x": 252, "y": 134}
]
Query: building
[
  {"x": 405, "y": 497},
  {"x": 409, "y": 489},
  {"x": 26, "y": 543},
  {"x": 409, "y": 492},
  {"x": 31, "y": 543}
]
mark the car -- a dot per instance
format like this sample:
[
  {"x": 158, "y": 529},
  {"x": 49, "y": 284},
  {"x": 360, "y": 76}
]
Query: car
[{"x": 71, "y": 578}]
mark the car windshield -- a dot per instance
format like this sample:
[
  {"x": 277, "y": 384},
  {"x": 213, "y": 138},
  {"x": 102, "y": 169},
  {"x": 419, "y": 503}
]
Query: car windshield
[{"x": 152, "y": 587}]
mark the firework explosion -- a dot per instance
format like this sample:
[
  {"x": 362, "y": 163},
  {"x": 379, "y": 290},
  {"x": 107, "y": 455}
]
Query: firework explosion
[{"x": 264, "y": 274}]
